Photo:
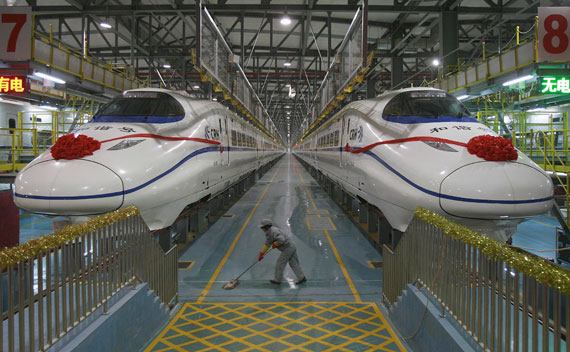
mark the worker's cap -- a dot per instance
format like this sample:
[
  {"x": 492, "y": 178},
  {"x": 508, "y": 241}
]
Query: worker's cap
[{"x": 265, "y": 222}]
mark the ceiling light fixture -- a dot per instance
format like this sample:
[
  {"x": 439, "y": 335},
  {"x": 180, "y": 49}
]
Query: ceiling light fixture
[
  {"x": 49, "y": 78},
  {"x": 105, "y": 25},
  {"x": 196, "y": 87},
  {"x": 285, "y": 20},
  {"x": 435, "y": 62},
  {"x": 47, "y": 107},
  {"x": 518, "y": 80},
  {"x": 287, "y": 64},
  {"x": 166, "y": 66},
  {"x": 536, "y": 109}
]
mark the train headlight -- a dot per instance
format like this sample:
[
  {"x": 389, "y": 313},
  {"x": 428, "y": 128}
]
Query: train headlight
[
  {"x": 126, "y": 144},
  {"x": 440, "y": 146}
]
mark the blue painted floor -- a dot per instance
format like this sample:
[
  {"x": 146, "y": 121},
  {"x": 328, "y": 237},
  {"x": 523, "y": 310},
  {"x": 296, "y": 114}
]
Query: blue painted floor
[
  {"x": 335, "y": 261},
  {"x": 538, "y": 236},
  {"x": 33, "y": 226},
  {"x": 335, "y": 310}
]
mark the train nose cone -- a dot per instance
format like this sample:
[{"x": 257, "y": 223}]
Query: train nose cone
[
  {"x": 68, "y": 187},
  {"x": 488, "y": 190}
]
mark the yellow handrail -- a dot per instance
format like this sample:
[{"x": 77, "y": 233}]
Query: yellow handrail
[{"x": 550, "y": 161}]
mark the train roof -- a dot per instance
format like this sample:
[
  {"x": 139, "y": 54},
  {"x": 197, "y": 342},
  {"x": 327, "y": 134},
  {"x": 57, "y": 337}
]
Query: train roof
[
  {"x": 197, "y": 106},
  {"x": 372, "y": 107}
]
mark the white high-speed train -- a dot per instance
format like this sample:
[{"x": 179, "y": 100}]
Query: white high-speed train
[
  {"x": 159, "y": 150},
  {"x": 408, "y": 148}
]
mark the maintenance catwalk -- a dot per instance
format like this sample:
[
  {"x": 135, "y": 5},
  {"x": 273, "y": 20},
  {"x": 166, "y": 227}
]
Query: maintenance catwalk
[{"x": 336, "y": 309}]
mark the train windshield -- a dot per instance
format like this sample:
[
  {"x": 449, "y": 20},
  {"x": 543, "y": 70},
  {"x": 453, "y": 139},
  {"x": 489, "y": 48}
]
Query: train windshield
[
  {"x": 426, "y": 104},
  {"x": 141, "y": 106}
]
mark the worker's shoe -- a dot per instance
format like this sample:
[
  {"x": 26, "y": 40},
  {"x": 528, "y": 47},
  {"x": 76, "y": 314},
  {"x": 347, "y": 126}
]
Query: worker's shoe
[
  {"x": 275, "y": 282},
  {"x": 304, "y": 279}
]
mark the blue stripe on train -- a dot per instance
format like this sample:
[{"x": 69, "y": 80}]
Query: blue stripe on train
[
  {"x": 128, "y": 191},
  {"x": 450, "y": 197},
  {"x": 422, "y": 119}
]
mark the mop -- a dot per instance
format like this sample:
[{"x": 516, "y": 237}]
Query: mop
[{"x": 234, "y": 282}]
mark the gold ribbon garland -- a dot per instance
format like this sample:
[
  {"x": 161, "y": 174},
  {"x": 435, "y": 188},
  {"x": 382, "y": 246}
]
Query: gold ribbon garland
[
  {"x": 541, "y": 270},
  {"x": 14, "y": 255}
]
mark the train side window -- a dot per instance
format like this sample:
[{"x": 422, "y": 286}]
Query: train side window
[
  {"x": 336, "y": 138},
  {"x": 396, "y": 106},
  {"x": 234, "y": 138}
]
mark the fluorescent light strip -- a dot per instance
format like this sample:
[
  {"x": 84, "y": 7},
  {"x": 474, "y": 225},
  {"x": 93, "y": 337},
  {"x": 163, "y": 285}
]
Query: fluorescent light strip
[
  {"x": 49, "y": 78},
  {"x": 47, "y": 107},
  {"x": 517, "y": 80}
]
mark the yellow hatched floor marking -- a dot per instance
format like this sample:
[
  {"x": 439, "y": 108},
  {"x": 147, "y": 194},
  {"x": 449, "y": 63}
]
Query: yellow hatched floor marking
[
  {"x": 287, "y": 326},
  {"x": 337, "y": 256},
  {"x": 332, "y": 223},
  {"x": 221, "y": 265}
]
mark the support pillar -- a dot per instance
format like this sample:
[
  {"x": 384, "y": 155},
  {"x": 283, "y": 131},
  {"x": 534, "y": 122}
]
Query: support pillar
[
  {"x": 397, "y": 75},
  {"x": 373, "y": 222},
  {"x": 396, "y": 237},
  {"x": 182, "y": 230},
  {"x": 213, "y": 208},
  {"x": 164, "y": 239},
  {"x": 363, "y": 215},
  {"x": 384, "y": 230},
  {"x": 193, "y": 221},
  {"x": 203, "y": 217},
  {"x": 449, "y": 38},
  {"x": 355, "y": 207},
  {"x": 226, "y": 199}
]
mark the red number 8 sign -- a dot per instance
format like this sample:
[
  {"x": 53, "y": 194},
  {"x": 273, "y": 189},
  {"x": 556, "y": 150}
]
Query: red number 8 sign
[{"x": 553, "y": 33}]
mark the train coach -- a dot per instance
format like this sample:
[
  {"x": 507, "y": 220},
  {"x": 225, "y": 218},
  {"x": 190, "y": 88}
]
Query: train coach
[
  {"x": 157, "y": 149},
  {"x": 421, "y": 147}
]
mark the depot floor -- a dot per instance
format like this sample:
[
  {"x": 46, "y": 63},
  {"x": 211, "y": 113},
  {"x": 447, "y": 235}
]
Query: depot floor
[{"x": 337, "y": 309}]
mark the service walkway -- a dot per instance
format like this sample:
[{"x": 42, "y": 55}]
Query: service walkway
[{"x": 336, "y": 309}]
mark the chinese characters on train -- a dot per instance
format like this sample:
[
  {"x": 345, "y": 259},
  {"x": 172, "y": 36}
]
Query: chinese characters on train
[
  {"x": 459, "y": 128},
  {"x": 105, "y": 128}
]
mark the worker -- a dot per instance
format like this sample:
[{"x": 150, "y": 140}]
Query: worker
[{"x": 277, "y": 239}]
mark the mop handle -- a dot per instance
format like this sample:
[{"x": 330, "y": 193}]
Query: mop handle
[{"x": 257, "y": 261}]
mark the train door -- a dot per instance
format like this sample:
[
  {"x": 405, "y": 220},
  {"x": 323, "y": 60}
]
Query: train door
[
  {"x": 256, "y": 137},
  {"x": 344, "y": 138},
  {"x": 222, "y": 144},
  {"x": 316, "y": 147},
  {"x": 227, "y": 145}
]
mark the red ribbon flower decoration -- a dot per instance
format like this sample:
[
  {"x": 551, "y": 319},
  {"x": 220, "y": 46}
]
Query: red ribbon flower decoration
[
  {"x": 492, "y": 148},
  {"x": 70, "y": 147}
]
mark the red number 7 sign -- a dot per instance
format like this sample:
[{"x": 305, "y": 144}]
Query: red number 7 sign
[{"x": 16, "y": 23}]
